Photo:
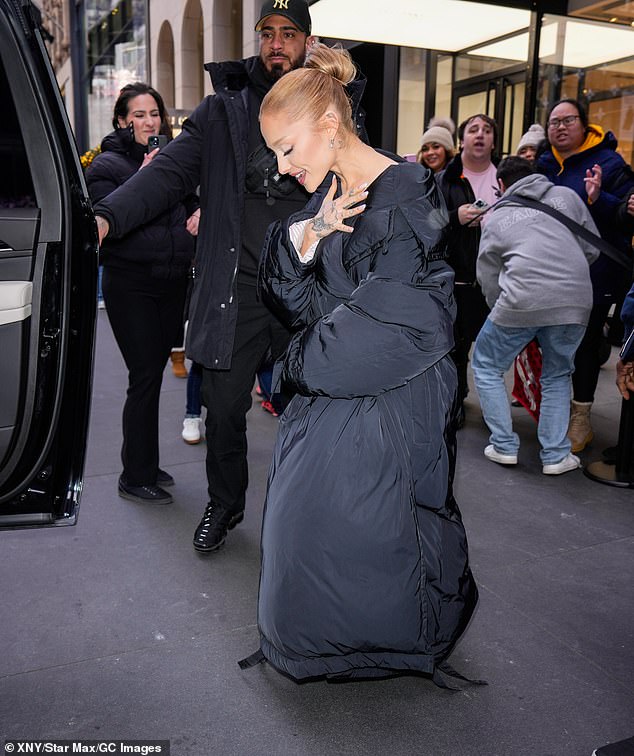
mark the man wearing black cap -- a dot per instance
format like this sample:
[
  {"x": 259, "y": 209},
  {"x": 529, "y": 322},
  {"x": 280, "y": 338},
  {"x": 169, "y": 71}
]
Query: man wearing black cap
[{"x": 231, "y": 332}]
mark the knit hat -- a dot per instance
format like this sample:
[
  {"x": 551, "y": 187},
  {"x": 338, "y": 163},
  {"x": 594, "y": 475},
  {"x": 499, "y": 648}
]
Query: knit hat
[
  {"x": 294, "y": 10},
  {"x": 532, "y": 138},
  {"x": 440, "y": 130}
]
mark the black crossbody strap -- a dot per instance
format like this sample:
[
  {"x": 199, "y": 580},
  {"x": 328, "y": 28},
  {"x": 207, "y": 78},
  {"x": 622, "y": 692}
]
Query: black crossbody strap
[{"x": 608, "y": 249}]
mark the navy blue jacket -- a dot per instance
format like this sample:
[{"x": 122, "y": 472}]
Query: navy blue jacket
[{"x": 618, "y": 180}]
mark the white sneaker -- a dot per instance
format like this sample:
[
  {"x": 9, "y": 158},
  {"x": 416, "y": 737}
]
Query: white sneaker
[
  {"x": 496, "y": 456},
  {"x": 566, "y": 465},
  {"x": 191, "y": 430}
]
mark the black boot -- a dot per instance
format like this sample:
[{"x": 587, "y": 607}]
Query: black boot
[{"x": 212, "y": 529}]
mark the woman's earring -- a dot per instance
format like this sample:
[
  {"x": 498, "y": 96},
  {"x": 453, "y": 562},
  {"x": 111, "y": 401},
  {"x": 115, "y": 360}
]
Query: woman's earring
[{"x": 332, "y": 143}]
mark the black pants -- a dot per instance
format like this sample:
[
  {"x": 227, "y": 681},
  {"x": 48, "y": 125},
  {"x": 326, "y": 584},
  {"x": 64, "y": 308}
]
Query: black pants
[
  {"x": 227, "y": 396},
  {"x": 587, "y": 361},
  {"x": 472, "y": 312},
  {"x": 146, "y": 315}
]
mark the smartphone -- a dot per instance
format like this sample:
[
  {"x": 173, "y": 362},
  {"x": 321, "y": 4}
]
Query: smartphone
[
  {"x": 156, "y": 140},
  {"x": 479, "y": 203}
]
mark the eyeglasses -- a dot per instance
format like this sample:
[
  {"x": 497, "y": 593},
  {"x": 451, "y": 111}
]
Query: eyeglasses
[{"x": 555, "y": 123}]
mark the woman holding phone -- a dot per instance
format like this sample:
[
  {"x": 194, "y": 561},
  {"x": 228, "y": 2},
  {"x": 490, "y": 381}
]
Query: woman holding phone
[{"x": 144, "y": 285}]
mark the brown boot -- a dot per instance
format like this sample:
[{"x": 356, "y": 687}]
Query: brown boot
[
  {"x": 178, "y": 364},
  {"x": 579, "y": 428}
]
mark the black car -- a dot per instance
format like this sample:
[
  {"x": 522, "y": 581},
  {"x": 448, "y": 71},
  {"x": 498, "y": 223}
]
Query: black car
[{"x": 48, "y": 273}]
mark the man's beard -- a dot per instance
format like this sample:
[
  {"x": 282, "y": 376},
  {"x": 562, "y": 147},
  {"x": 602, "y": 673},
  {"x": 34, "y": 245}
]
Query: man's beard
[{"x": 277, "y": 70}]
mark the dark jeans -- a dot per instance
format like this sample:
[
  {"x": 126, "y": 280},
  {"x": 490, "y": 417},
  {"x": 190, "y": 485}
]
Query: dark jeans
[
  {"x": 587, "y": 360},
  {"x": 472, "y": 312},
  {"x": 146, "y": 315},
  {"x": 194, "y": 383},
  {"x": 227, "y": 397}
]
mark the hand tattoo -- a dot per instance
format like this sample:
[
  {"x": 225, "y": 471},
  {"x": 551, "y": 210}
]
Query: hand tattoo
[
  {"x": 320, "y": 227},
  {"x": 323, "y": 227}
]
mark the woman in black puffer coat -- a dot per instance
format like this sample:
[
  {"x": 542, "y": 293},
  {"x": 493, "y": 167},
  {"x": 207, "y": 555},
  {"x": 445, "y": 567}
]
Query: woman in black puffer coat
[{"x": 144, "y": 284}]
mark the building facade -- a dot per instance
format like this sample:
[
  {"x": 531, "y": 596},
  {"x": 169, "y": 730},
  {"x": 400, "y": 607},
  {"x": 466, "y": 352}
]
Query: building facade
[{"x": 507, "y": 58}]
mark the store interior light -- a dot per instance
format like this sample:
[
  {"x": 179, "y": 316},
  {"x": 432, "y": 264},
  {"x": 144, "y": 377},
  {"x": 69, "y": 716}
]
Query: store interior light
[
  {"x": 448, "y": 25},
  {"x": 452, "y": 25}
]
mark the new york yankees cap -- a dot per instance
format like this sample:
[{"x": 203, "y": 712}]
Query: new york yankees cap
[{"x": 295, "y": 10}]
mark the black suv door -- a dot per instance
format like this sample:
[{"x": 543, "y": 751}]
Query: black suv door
[{"x": 48, "y": 263}]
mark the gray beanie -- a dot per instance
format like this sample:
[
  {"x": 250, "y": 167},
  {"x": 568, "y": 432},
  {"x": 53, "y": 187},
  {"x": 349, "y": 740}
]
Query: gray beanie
[
  {"x": 533, "y": 137},
  {"x": 440, "y": 130}
]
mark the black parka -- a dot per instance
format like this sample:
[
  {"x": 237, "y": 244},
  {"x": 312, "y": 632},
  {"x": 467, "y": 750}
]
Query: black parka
[
  {"x": 211, "y": 152},
  {"x": 364, "y": 555},
  {"x": 463, "y": 240},
  {"x": 162, "y": 247}
]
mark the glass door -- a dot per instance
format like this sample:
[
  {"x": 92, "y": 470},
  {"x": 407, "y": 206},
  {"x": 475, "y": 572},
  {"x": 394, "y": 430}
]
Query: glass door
[{"x": 500, "y": 96}]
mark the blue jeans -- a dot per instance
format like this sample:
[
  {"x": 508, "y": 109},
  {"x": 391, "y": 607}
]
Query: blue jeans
[{"x": 495, "y": 349}]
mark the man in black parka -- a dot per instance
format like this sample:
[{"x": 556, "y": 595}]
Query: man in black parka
[
  {"x": 470, "y": 176},
  {"x": 221, "y": 151}
]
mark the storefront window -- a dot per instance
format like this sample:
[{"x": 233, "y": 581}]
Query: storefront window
[
  {"x": 593, "y": 63},
  {"x": 116, "y": 55},
  {"x": 470, "y": 65},
  {"x": 411, "y": 100},
  {"x": 444, "y": 68}
]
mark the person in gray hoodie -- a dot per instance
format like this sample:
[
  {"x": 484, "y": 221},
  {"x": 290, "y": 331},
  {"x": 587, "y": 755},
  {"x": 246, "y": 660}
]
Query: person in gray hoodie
[{"x": 534, "y": 273}]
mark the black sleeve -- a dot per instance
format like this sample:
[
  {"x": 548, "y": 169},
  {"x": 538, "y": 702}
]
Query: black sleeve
[{"x": 170, "y": 178}]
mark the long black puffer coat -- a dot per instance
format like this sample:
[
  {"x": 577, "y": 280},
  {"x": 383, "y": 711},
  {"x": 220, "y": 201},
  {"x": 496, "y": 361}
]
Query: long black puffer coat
[{"x": 364, "y": 555}]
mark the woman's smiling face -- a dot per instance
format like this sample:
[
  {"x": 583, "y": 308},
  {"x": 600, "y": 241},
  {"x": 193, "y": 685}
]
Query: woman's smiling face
[
  {"x": 433, "y": 155},
  {"x": 301, "y": 148},
  {"x": 145, "y": 117}
]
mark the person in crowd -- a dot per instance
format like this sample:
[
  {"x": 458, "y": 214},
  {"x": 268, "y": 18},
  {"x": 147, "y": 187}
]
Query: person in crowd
[
  {"x": 177, "y": 358},
  {"x": 625, "y": 368},
  {"x": 437, "y": 146},
  {"x": 230, "y": 330},
  {"x": 583, "y": 157},
  {"x": 530, "y": 141},
  {"x": 144, "y": 284},
  {"x": 193, "y": 409},
  {"x": 469, "y": 185},
  {"x": 535, "y": 275},
  {"x": 364, "y": 556}
]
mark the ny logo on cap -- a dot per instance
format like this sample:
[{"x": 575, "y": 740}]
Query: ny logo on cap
[{"x": 281, "y": 4}]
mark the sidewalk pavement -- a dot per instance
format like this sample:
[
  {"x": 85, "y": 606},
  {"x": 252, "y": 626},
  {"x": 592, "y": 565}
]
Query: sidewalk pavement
[{"x": 117, "y": 628}]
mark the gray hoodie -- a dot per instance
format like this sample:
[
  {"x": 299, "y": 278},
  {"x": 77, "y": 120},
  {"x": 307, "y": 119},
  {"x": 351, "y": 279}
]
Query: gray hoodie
[{"x": 532, "y": 269}]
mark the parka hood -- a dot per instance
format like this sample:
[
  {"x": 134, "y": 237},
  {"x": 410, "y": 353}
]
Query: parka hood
[
  {"x": 234, "y": 75},
  {"x": 231, "y": 75}
]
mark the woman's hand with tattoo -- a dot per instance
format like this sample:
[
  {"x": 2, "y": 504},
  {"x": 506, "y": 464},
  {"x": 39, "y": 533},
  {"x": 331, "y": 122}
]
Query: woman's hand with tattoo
[{"x": 333, "y": 212}]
